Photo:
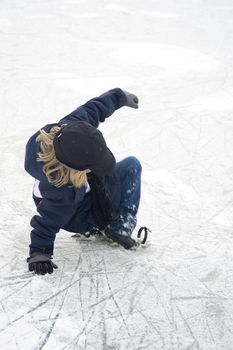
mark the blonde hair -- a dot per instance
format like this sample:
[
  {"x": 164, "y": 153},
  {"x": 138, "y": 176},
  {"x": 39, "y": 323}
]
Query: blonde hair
[{"x": 57, "y": 173}]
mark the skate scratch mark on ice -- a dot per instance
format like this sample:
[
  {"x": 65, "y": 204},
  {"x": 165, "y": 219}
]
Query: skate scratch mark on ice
[
  {"x": 135, "y": 291},
  {"x": 166, "y": 214},
  {"x": 21, "y": 276},
  {"x": 135, "y": 294},
  {"x": 41, "y": 304},
  {"x": 114, "y": 300},
  {"x": 50, "y": 331},
  {"x": 226, "y": 326},
  {"x": 207, "y": 143},
  {"x": 14, "y": 283},
  {"x": 104, "y": 332},
  {"x": 210, "y": 332},
  {"x": 126, "y": 273},
  {"x": 170, "y": 271},
  {"x": 59, "y": 286},
  {"x": 13, "y": 333},
  {"x": 6, "y": 264},
  {"x": 15, "y": 292},
  {"x": 82, "y": 310},
  {"x": 159, "y": 298},
  {"x": 228, "y": 204},
  {"x": 141, "y": 340},
  {"x": 188, "y": 327},
  {"x": 196, "y": 315},
  {"x": 81, "y": 301},
  {"x": 174, "y": 325},
  {"x": 59, "y": 292},
  {"x": 183, "y": 145},
  {"x": 47, "y": 336},
  {"x": 200, "y": 297},
  {"x": 151, "y": 325},
  {"x": 203, "y": 283},
  {"x": 151, "y": 345},
  {"x": 99, "y": 273},
  {"x": 76, "y": 338},
  {"x": 198, "y": 139},
  {"x": 84, "y": 318}
]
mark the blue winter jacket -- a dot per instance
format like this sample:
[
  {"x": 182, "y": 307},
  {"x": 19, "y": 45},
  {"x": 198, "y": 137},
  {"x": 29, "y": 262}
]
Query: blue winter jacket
[{"x": 67, "y": 207}]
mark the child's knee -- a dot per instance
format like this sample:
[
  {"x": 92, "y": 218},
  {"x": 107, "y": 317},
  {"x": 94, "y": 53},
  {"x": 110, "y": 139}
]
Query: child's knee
[{"x": 134, "y": 164}]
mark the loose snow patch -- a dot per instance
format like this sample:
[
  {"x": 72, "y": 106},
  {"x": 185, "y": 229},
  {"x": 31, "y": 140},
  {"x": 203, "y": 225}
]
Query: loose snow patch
[
  {"x": 173, "y": 59},
  {"x": 5, "y": 22},
  {"x": 85, "y": 15},
  {"x": 218, "y": 101},
  {"x": 117, "y": 8},
  {"x": 162, "y": 15},
  {"x": 92, "y": 85}
]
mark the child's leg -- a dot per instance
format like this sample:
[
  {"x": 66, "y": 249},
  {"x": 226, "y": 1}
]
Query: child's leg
[{"x": 129, "y": 171}]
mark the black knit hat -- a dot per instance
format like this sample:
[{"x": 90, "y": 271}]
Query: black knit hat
[{"x": 81, "y": 146}]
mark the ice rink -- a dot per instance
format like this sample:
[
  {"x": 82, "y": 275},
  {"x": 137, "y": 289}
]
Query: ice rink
[{"x": 177, "y": 56}]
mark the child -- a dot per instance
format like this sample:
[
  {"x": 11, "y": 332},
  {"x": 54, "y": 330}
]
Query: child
[{"x": 79, "y": 187}]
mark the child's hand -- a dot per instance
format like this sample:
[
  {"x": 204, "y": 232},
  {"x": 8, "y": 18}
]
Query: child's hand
[
  {"x": 131, "y": 99},
  {"x": 41, "y": 263}
]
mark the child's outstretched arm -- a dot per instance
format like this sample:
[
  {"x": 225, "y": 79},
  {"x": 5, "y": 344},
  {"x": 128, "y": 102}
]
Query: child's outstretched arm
[
  {"x": 99, "y": 108},
  {"x": 52, "y": 215}
]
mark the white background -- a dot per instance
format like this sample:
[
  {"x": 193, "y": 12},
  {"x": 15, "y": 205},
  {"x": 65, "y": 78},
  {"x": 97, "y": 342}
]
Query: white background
[{"x": 177, "y": 56}]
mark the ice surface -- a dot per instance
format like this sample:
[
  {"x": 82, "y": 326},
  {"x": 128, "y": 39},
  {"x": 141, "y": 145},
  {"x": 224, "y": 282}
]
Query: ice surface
[
  {"x": 174, "y": 59},
  {"x": 177, "y": 293}
]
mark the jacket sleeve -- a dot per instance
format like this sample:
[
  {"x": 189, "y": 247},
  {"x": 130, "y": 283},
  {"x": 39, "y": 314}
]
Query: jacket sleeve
[
  {"x": 97, "y": 109},
  {"x": 53, "y": 215}
]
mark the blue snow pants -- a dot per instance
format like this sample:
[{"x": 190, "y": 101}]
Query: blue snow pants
[{"x": 129, "y": 171}]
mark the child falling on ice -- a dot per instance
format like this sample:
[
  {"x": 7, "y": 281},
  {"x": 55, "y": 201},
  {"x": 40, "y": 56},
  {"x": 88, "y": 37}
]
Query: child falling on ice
[{"x": 79, "y": 187}]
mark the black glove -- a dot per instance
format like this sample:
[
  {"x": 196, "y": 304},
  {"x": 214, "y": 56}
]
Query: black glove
[
  {"x": 125, "y": 241},
  {"x": 41, "y": 263},
  {"x": 131, "y": 100}
]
